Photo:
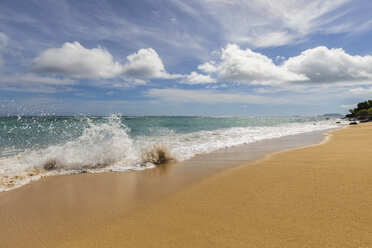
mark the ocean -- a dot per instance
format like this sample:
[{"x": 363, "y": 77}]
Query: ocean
[{"x": 35, "y": 147}]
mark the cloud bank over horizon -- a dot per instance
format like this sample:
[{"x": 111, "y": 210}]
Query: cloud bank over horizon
[{"x": 235, "y": 65}]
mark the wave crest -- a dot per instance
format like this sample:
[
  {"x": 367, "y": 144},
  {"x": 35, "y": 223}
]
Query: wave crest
[{"x": 107, "y": 146}]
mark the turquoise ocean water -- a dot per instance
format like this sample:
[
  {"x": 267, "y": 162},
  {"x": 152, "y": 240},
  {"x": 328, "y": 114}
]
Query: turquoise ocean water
[{"x": 34, "y": 147}]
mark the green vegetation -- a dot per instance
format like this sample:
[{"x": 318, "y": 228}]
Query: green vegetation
[
  {"x": 362, "y": 112},
  {"x": 363, "y": 109}
]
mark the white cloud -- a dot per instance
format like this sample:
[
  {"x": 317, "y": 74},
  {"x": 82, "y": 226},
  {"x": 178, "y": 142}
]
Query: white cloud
[
  {"x": 349, "y": 106},
  {"x": 208, "y": 67},
  {"x": 317, "y": 66},
  {"x": 210, "y": 97},
  {"x": 196, "y": 78},
  {"x": 361, "y": 91},
  {"x": 31, "y": 82},
  {"x": 325, "y": 65},
  {"x": 146, "y": 63},
  {"x": 74, "y": 60},
  {"x": 246, "y": 66}
]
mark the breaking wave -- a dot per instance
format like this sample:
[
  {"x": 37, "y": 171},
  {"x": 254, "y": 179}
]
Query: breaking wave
[{"x": 108, "y": 146}]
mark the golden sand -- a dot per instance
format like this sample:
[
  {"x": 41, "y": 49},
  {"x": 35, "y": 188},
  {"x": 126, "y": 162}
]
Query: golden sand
[{"x": 317, "y": 196}]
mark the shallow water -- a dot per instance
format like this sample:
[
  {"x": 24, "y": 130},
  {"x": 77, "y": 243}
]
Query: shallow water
[{"x": 34, "y": 147}]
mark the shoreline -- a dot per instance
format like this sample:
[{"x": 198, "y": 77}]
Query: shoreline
[
  {"x": 42, "y": 175},
  {"x": 314, "y": 196},
  {"x": 75, "y": 202}
]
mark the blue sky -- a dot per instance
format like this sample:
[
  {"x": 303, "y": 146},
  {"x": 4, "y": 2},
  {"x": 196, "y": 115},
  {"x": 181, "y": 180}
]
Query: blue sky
[{"x": 173, "y": 57}]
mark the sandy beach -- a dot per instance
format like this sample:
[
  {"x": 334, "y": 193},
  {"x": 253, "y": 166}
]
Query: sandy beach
[
  {"x": 166, "y": 124},
  {"x": 315, "y": 196}
]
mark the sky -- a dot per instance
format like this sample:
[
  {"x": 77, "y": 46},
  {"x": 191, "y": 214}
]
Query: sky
[{"x": 176, "y": 57}]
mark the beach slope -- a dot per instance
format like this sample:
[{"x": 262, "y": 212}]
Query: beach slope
[{"x": 317, "y": 196}]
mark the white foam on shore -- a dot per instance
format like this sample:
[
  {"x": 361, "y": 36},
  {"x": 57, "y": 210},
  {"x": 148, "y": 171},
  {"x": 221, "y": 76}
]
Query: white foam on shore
[{"x": 108, "y": 147}]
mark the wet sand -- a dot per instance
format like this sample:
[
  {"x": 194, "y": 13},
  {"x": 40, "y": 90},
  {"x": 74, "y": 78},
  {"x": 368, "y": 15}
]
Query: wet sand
[{"x": 200, "y": 202}]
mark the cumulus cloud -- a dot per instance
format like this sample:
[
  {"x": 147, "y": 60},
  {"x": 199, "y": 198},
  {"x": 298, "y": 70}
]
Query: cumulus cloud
[
  {"x": 246, "y": 66},
  {"x": 319, "y": 65},
  {"x": 210, "y": 97},
  {"x": 323, "y": 65},
  {"x": 196, "y": 78},
  {"x": 74, "y": 60},
  {"x": 146, "y": 63}
]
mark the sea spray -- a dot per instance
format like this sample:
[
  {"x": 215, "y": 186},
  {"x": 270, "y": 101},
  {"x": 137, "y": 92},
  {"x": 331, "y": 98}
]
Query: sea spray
[
  {"x": 99, "y": 146},
  {"x": 156, "y": 155}
]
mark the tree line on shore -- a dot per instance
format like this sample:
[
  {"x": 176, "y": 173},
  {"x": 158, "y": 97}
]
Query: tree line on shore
[{"x": 363, "y": 109}]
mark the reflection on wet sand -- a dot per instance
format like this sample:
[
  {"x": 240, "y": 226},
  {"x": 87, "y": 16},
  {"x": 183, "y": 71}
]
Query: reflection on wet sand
[{"x": 37, "y": 214}]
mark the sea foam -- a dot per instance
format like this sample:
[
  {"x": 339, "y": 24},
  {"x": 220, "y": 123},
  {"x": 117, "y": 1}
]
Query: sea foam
[{"x": 108, "y": 146}]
